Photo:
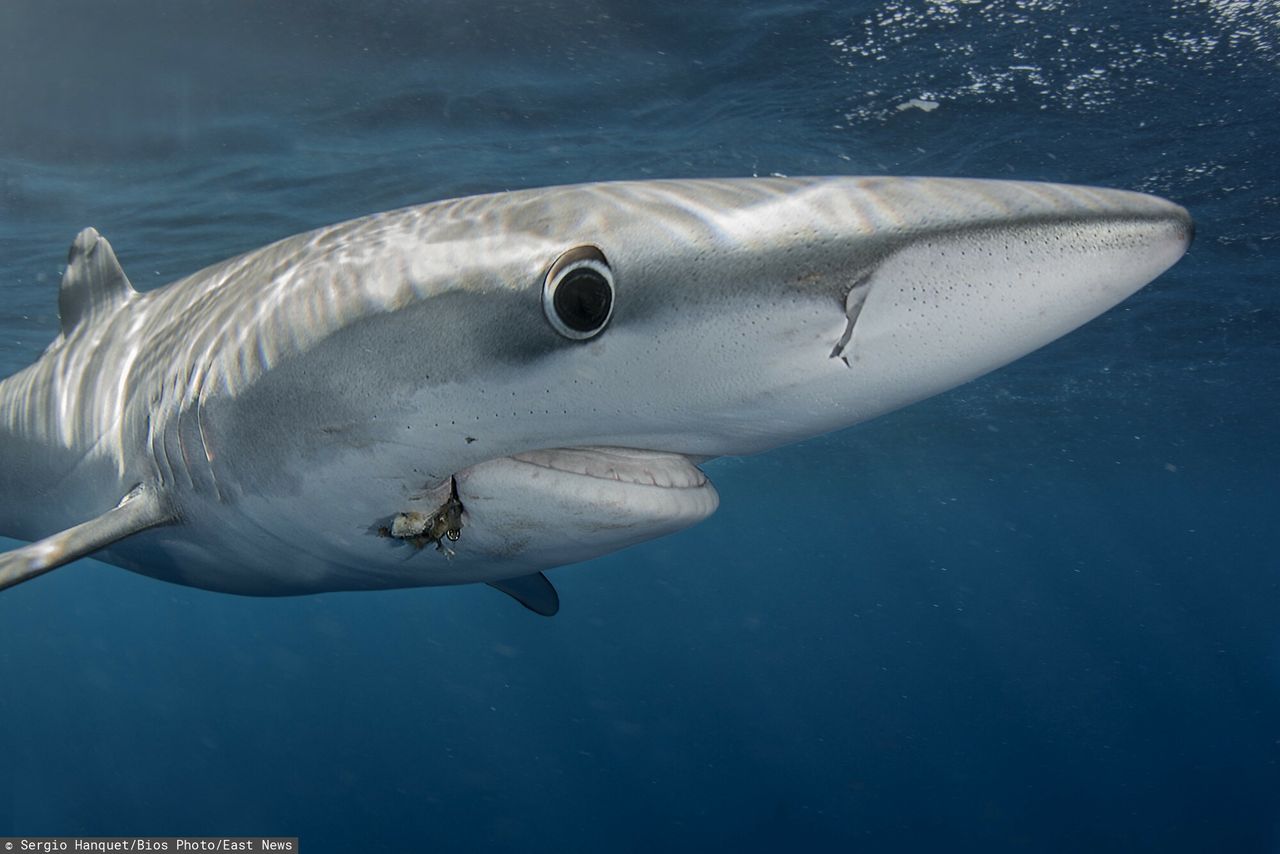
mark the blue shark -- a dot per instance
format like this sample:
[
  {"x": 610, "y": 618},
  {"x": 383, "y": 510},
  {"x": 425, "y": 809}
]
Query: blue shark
[{"x": 482, "y": 389}]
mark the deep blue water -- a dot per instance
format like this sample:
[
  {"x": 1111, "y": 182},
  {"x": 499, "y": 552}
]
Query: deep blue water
[{"x": 1039, "y": 613}]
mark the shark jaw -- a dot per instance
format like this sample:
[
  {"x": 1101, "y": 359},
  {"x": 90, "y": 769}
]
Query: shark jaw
[
  {"x": 583, "y": 494},
  {"x": 591, "y": 500}
]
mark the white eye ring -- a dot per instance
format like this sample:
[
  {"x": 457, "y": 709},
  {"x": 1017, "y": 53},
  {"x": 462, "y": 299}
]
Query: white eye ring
[{"x": 578, "y": 292}]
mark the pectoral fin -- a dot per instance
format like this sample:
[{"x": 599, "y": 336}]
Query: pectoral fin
[
  {"x": 532, "y": 591},
  {"x": 142, "y": 508}
]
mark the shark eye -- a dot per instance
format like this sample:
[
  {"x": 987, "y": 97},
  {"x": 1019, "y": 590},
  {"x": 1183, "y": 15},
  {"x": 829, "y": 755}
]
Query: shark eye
[{"x": 577, "y": 294}]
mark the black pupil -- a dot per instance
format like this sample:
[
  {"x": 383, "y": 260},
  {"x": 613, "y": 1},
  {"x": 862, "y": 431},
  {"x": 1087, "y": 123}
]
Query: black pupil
[{"x": 582, "y": 300}]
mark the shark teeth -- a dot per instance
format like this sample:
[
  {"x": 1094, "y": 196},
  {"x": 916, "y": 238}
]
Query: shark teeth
[{"x": 625, "y": 465}]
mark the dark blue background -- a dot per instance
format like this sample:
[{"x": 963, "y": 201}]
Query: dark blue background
[{"x": 1037, "y": 613}]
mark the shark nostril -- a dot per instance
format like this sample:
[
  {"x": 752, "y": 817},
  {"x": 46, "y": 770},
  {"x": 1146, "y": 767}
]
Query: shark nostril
[{"x": 853, "y": 303}]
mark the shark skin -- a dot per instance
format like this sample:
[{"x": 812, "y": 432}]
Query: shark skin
[{"x": 480, "y": 389}]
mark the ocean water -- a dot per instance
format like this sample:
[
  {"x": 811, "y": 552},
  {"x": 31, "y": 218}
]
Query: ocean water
[{"x": 1038, "y": 613}]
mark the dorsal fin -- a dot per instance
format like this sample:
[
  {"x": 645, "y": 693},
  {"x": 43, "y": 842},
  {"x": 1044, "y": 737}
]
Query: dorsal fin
[{"x": 94, "y": 282}]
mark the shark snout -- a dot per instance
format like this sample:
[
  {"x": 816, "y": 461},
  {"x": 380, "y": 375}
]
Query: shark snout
[
  {"x": 947, "y": 306},
  {"x": 1185, "y": 222}
]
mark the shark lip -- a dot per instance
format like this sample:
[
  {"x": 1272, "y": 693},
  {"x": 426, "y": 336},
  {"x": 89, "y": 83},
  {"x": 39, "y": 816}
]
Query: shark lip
[{"x": 624, "y": 465}]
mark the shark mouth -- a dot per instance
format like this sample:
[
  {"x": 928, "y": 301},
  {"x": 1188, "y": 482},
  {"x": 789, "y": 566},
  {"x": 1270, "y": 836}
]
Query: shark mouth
[
  {"x": 577, "y": 502},
  {"x": 557, "y": 505},
  {"x": 623, "y": 465}
]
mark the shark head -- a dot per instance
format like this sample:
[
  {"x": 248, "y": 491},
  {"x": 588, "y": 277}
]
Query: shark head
[{"x": 544, "y": 370}]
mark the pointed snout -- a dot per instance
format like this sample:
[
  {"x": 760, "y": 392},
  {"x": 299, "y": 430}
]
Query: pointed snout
[{"x": 1004, "y": 269}]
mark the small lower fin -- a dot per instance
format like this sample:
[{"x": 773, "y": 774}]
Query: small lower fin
[
  {"x": 142, "y": 508},
  {"x": 534, "y": 592}
]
